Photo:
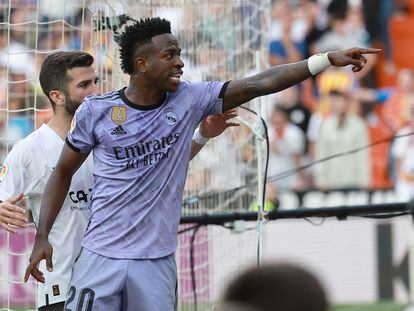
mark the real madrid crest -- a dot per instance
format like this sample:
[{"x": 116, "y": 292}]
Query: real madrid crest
[
  {"x": 170, "y": 117},
  {"x": 119, "y": 114}
]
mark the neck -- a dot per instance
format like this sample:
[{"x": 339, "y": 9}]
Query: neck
[
  {"x": 142, "y": 93},
  {"x": 341, "y": 118},
  {"x": 60, "y": 123},
  {"x": 338, "y": 26}
]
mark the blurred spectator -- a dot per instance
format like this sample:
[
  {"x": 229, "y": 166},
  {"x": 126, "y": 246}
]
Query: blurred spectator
[
  {"x": 19, "y": 125},
  {"x": 277, "y": 286},
  {"x": 13, "y": 51},
  {"x": 402, "y": 152},
  {"x": 286, "y": 35},
  {"x": 342, "y": 132},
  {"x": 345, "y": 30},
  {"x": 339, "y": 35},
  {"x": 332, "y": 79},
  {"x": 379, "y": 154},
  {"x": 387, "y": 110},
  {"x": 398, "y": 106},
  {"x": 287, "y": 145},
  {"x": 377, "y": 15},
  {"x": 69, "y": 11},
  {"x": 289, "y": 26},
  {"x": 298, "y": 114},
  {"x": 317, "y": 24}
]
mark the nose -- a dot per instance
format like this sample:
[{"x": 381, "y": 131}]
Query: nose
[{"x": 179, "y": 63}]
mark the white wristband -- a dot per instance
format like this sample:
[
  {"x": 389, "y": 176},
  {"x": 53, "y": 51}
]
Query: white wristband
[
  {"x": 198, "y": 138},
  {"x": 318, "y": 62}
]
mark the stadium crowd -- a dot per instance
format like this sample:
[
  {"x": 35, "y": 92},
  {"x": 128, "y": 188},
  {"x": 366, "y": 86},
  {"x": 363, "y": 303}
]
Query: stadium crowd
[{"x": 337, "y": 112}]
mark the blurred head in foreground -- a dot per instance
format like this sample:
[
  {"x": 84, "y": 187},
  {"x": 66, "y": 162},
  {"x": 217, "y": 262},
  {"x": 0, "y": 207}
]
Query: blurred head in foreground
[{"x": 277, "y": 286}]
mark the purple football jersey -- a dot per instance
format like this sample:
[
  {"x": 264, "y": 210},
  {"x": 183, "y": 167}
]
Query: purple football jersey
[{"x": 141, "y": 157}]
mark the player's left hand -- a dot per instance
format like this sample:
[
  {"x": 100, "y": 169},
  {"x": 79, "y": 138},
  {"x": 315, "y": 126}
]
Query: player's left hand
[
  {"x": 352, "y": 56},
  {"x": 42, "y": 249},
  {"x": 214, "y": 125}
]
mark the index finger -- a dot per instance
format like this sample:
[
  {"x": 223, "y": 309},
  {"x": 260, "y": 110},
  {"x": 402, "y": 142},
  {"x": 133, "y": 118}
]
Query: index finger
[
  {"x": 369, "y": 51},
  {"x": 35, "y": 272},
  {"x": 230, "y": 116},
  {"x": 233, "y": 110},
  {"x": 29, "y": 270}
]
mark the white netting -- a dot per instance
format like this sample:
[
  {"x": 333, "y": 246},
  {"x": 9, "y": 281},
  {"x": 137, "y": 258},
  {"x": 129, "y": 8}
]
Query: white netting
[
  {"x": 219, "y": 40},
  {"x": 29, "y": 30}
]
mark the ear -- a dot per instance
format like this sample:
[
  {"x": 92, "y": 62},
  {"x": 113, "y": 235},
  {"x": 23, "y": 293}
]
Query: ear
[
  {"x": 59, "y": 98},
  {"x": 141, "y": 64}
]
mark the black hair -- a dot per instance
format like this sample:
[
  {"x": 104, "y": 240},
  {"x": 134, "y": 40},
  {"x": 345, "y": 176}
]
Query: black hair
[
  {"x": 337, "y": 9},
  {"x": 278, "y": 286},
  {"x": 338, "y": 92},
  {"x": 138, "y": 34},
  {"x": 54, "y": 71},
  {"x": 281, "y": 110}
]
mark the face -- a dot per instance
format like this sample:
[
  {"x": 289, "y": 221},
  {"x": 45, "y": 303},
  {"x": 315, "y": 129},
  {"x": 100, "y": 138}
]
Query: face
[
  {"x": 405, "y": 80},
  {"x": 164, "y": 65},
  {"x": 339, "y": 103},
  {"x": 279, "y": 120},
  {"x": 83, "y": 82}
]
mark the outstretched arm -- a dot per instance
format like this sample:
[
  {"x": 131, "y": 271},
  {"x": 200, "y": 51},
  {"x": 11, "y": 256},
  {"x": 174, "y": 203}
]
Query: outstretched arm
[
  {"x": 53, "y": 197},
  {"x": 213, "y": 126},
  {"x": 282, "y": 77}
]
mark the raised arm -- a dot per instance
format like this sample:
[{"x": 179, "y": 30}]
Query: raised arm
[
  {"x": 53, "y": 197},
  {"x": 282, "y": 77}
]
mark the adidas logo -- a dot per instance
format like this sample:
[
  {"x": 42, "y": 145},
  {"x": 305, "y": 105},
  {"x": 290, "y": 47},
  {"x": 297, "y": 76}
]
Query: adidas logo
[{"x": 118, "y": 131}]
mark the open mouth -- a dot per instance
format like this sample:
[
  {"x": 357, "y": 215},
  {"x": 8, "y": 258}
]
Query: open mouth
[{"x": 176, "y": 77}]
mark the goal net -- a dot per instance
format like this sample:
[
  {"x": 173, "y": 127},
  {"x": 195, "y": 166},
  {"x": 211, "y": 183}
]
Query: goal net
[{"x": 219, "y": 41}]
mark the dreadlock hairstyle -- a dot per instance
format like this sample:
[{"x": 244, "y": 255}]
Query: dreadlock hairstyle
[{"x": 138, "y": 34}]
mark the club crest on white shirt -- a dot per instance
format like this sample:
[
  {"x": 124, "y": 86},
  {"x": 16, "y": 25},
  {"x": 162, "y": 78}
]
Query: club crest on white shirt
[
  {"x": 3, "y": 171},
  {"x": 170, "y": 117}
]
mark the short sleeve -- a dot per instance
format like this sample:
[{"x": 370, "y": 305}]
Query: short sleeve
[
  {"x": 81, "y": 137},
  {"x": 208, "y": 97},
  {"x": 12, "y": 175}
]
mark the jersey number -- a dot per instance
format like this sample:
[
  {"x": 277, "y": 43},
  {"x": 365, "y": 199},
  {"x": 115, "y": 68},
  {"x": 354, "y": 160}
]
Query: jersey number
[{"x": 86, "y": 293}]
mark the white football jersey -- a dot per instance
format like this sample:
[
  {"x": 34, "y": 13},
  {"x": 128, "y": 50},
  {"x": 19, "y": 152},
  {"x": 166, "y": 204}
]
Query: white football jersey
[{"x": 26, "y": 169}]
